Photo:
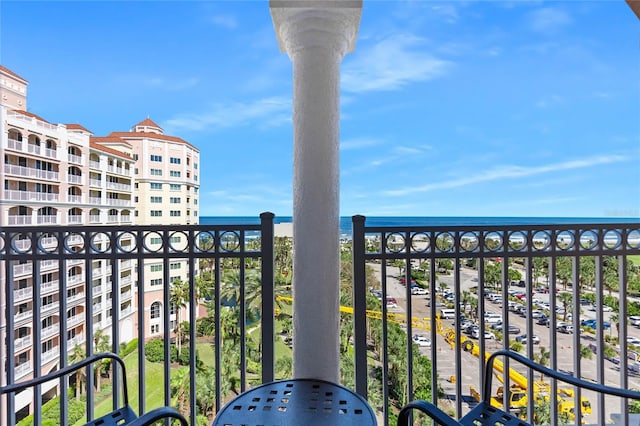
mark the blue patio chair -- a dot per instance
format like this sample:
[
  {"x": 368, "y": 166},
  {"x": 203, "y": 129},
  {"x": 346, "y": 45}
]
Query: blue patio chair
[
  {"x": 486, "y": 414},
  {"x": 123, "y": 416}
]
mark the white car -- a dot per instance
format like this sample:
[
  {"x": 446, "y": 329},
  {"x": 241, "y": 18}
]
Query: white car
[
  {"x": 421, "y": 340},
  {"x": 419, "y": 291},
  {"x": 633, "y": 341},
  {"x": 487, "y": 334},
  {"x": 606, "y": 308}
]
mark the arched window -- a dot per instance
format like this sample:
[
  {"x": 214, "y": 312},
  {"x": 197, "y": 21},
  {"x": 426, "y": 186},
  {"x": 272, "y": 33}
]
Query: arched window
[{"x": 155, "y": 310}]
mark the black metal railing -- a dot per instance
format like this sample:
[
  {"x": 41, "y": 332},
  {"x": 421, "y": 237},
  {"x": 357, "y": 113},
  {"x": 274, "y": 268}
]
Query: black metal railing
[
  {"x": 469, "y": 270},
  {"x": 65, "y": 286}
]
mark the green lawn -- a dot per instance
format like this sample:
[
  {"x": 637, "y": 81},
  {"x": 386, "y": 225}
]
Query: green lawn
[{"x": 635, "y": 258}]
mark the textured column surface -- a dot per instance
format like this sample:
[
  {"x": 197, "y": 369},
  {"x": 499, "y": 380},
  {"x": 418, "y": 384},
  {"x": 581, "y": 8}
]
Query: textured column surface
[{"x": 316, "y": 35}]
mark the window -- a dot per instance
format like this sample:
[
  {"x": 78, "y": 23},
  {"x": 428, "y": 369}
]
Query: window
[
  {"x": 136, "y": 198},
  {"x": 156, "y": 199},
  {"x": 175, "y": 240},
  {"x": 175, "y": 265},
  {"x": 135, "y": 171},
  {"x": 175, "y": 200},
  {"x": 175, "y": 187},
  {"x": 155, "y": 310},
  {"x": 195, "y": 166},
  {"x": 156, "y": 240},
  {"x": 155, "y": 328},
  {"x": 174, "y": 173},
  {"x": 156, "y": 213},
  {"x": 174, "y": 160},
  {"x": 195, "y": 177},
  {"x": 156, "y": 268},
  {"x": 155, "y": 185},
  {"x": 135, "y": 157},
  {"x": 156, "y": 282},
  {"x": 174, "y": 279},
  {"x": 156, "y": 158},
  {"x": 156, "y": 172},
  {"x": 195, "y": 212},
  {"x": 174, "y": 213}
]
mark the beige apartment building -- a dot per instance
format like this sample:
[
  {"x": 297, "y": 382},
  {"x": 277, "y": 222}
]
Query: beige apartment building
[
  {"x": 166, "y": 192},
  {"x": 60, "y": 174}
]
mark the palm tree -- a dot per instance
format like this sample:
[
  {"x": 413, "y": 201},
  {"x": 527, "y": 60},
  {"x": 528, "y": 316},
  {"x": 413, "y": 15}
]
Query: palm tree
[
  {"x": 543, "y": 358},
  {"x": 101, "y": 344},
  {"x": 180, "y": 389},
  {"x": 566, "y": 299},
  {"x": 178, "y": 298},
  {"x": 615, "y": 318},
  {"x": 466, "y": 299},
  {"x": 252, "y": 289},
  {"x": 78, "y": 355}
]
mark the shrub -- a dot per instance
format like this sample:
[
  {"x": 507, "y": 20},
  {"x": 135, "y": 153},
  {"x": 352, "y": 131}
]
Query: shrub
[
  {"x": 126, "y": 349},
  {"x": 154, "y": 350}
]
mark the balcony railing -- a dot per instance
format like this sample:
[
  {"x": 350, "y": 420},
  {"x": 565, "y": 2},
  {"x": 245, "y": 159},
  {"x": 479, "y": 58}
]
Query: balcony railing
[
  {"x": 448, "y": 271},
  {"x": 16, "y": 195},
  {"x": 31, "y": 172}
]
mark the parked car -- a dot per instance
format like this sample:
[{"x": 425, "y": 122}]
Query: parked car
[
  {"x": 392, "y": 302},
  {"x": 566, "y": 328},
  {"x": 487, "y": 334},
  {"x": 543, "y": 320},
  {"x": 418, "y": 291},
  {"x": 421, "y": 340},
  {"x": 535, "y": 339},
  {"x": 593, "y": 323},
  {"x": 513, "y": 329}
]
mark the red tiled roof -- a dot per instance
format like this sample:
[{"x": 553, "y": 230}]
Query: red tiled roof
[
  {"x": 28, "y": 114},
  {"x": 95, "y": 144},
  {"x": 147, "y": 135},
  {"x": 148, "y": 123},
  {"x": 8, "y": 71},
  {"x": 73, "y": 126}
]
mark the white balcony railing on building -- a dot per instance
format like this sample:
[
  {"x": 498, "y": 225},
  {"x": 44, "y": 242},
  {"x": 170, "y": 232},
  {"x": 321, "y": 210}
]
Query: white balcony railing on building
[
  {"x": 126, "y": 295},
  {"x": 126, "y": 264},
  {"x": 49, "y": 307},
  {"x": 51, "y": 154},
  {"x": 50, "y": 330},
  {"x": 20, "y": 219},
  {"x": 125, "y": 218},
  {"x": 14, "y": 144},
  {"x": 46, "y": 219},
  {"x": 50, "y": 355},
  {"x": 118, "y": 186},
  {"x": 75, "y": 279},
  {"x": 23, "y": 369},
  {"x": 118, "y": 202},
  {"x": 31, "y": 120},
  {"x": 77, "y": 199},
  {"x": 112, "y": 218},
  {"x": 34, "y": 149},
  {"x": 22, "y": 294},
  {"x": 94, "y": 218},
  {"x": 16, "y": 195},
  {"x": 119, "y": 170},
  {"x": 95, "y": 200},
  {"x": 74, "y": 179},
  {"x": 74, "y": 320},
  {"x": 49, "y": 286},
  {"x": 75, "y": 159},
  {"x": 74, "y": 219},
  {"x": 30, "y": 172},
  {"x": 95, "y": 182},
  {"x": 94, "y": 164},
  {"x": 23, "y": 342},
  {"x": 21, "y": 316},
  {"x": 96, "y": 272}
]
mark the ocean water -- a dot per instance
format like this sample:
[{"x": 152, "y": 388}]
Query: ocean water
[{"x": 345, "y": 221}]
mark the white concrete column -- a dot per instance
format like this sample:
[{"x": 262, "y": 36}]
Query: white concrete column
[{"x": 316, "y": 35}]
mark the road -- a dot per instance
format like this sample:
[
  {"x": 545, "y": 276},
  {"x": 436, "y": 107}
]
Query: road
[{"x": 470, "y": 364}]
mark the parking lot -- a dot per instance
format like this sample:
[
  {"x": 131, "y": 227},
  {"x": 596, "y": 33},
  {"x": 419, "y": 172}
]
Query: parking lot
[{"x": 564, "y": 348}]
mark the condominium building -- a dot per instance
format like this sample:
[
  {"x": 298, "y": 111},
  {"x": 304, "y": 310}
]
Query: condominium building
[
  {"x": 54, "y": 174},
  {"x": 166, "y": 193}
]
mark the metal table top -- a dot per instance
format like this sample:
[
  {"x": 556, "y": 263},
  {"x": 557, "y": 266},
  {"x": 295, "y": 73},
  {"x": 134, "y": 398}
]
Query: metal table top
[{"x": 297, "y": 402}]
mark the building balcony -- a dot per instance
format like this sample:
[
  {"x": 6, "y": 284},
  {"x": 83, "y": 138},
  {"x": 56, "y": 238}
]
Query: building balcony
[
  {"x": 74, "y": 159},
  {"x": 119, "y": 170},
  {"x": 119, "y": 186},
  {"x": 95, "y": 200},
  {"x": 77, "y": 199},
  {"x": 75, "y": 179},
  {"x": 521, "y": 275},
  {"x": 20, "y": 219},
  {"x": 95, "y": 182},
  {"x": 118, "y": 202},
  {"x": 95, "y": 164},
  {"x": 30, "y": 172},
  {"x": 16, "y": 195},
  {"x": 46, "y": 219},
  {"x": 74, "y": 219},
  {"x": 94, "y": 218}
]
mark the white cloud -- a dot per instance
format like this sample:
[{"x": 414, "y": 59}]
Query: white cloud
[
  {"x": 262, "y": 112},
  {"x": 170, "y": 84},
  {"x": 549, "y": 101},
  {"x": 509, "y": 172},
  {"x": 390, "y": 65},
  {"x": 549, "y": 20},
  {"x": 358, "y": 143},
  {"x": 224, "y": 21}
]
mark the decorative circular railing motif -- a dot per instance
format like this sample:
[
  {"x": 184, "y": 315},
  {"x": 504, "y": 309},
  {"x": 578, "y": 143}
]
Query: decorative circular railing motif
[
  {"x": 419, "y": 242},
  {"x": 493, "y": 241},
  {"x": 445, "y": 242},
  {"x": 565, "y": 241},
  {"x": 589, "y": 239},
  {"x": 517, "y": 241},
  {"x": 205, "y": 242},
  {"x": 229, "y": 241},
  {"x": 469, "y": 242},
  {"x": 395, "y": 242}
]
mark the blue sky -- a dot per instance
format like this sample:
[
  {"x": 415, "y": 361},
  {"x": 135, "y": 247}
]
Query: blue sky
[{"x": 457, "y": 108}]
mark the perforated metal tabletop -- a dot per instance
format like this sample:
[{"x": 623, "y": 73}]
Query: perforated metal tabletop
[{"x": 297, "y": 402}]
